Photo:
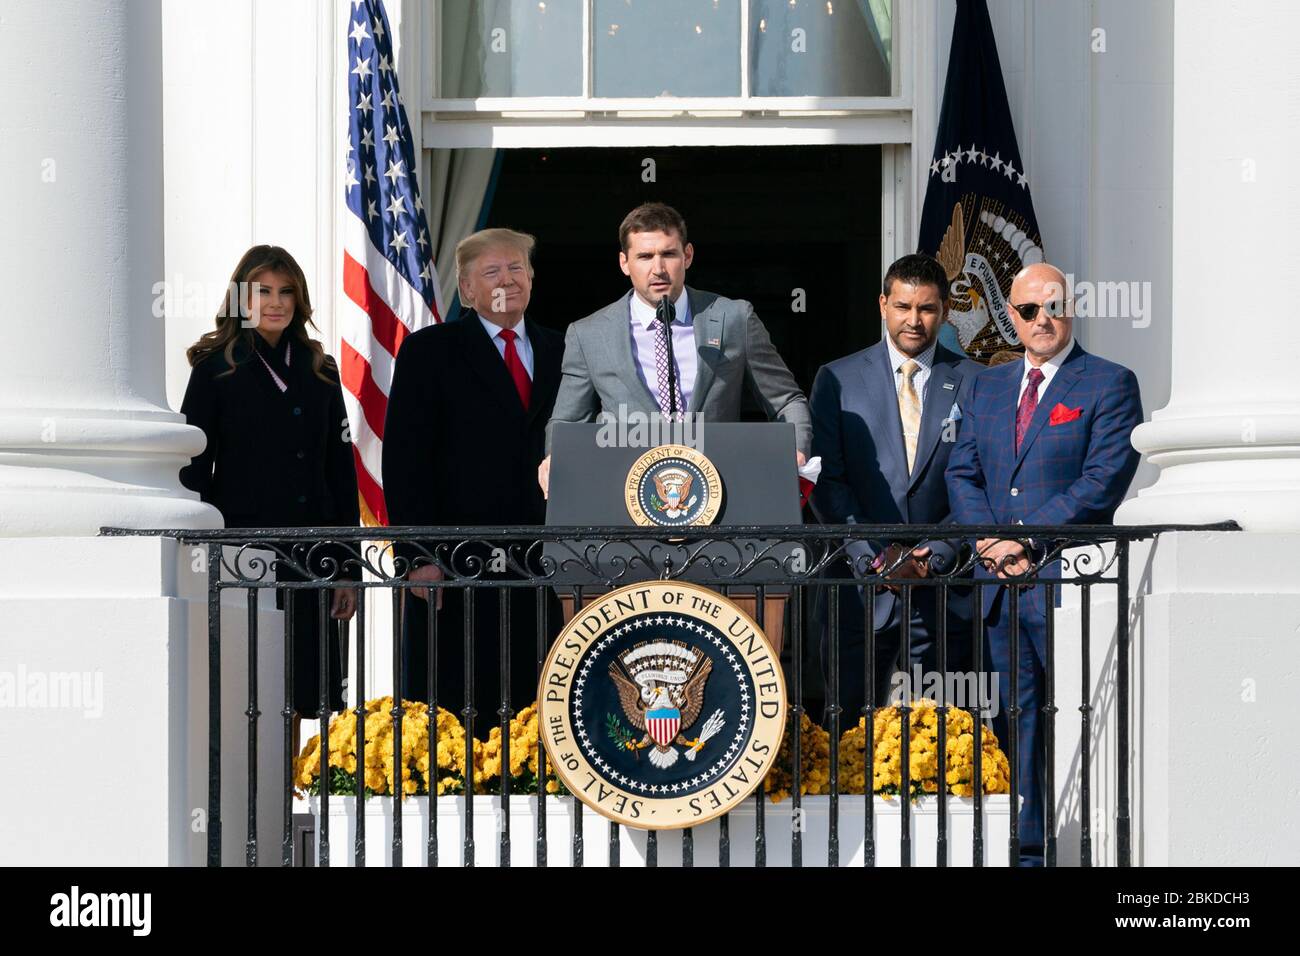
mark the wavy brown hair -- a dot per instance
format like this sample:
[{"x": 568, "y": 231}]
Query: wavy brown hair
[
  {"x": 230, "y": 332},
  {"x": 652, "y": 217}
]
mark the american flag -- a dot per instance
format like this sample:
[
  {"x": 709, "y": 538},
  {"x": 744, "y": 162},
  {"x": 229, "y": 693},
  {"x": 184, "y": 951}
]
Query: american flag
[{"x": 389, "y": 283}]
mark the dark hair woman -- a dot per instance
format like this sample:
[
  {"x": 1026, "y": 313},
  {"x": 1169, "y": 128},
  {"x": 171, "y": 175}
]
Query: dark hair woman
[{"x": 278, "y": 454}]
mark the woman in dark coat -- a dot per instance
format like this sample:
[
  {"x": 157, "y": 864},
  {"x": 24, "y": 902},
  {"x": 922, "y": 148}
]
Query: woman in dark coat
[{"x": 278, "y": 454}]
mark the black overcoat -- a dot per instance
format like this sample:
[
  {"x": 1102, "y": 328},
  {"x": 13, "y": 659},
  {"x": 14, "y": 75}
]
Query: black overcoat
[
  {"x": 460, "y": 449},
  {"x": 277, "y": 459}
]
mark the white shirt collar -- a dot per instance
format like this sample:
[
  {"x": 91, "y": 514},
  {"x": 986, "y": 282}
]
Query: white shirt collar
[
  {"x": 1052, "y": 365},
  {"x": 492, "y": 328},
  {"x": 897, "y": 358},
  {"x": 645, "y": 315}
]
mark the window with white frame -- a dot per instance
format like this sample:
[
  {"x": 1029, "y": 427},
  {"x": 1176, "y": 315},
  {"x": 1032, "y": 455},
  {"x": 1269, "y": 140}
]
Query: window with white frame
[
  {"x": 544, "y": 74},
  {"x": 627, "y": 56}
]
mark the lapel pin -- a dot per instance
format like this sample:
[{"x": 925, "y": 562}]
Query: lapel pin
[
  {"x": 947, "y": 385},
  {"x": 715, "y": 341}
]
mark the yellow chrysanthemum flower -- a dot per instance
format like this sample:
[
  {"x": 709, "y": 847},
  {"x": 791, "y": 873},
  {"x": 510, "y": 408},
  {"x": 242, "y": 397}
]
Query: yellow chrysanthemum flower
[{"x": 922, "y": 751}]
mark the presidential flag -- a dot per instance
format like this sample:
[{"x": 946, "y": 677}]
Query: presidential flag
[
  {"x": 389, "y": 283},
  {"x": 978, "y": 219}
]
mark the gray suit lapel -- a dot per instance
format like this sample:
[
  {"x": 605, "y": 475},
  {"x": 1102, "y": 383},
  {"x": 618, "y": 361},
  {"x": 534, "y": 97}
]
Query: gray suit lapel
[
  {"x": 618, "y": 341},
  {"x": 708, "y": 348}
]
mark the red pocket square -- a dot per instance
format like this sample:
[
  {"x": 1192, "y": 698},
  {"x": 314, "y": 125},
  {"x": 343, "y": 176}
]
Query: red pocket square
[{"x": 1061, "y": 414}]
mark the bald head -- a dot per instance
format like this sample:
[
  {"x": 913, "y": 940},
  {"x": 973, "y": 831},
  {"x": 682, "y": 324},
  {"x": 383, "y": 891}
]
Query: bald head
[
  {"x": 1042, "y": 333},
  {"x": 1038, "y": 274}
]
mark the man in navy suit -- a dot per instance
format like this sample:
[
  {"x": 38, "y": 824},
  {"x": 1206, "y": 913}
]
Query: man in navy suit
[
  {"x": 1045, "y": 441},
  {"x": 466, "y": 423},
  {"x": 884, "y": 422}
]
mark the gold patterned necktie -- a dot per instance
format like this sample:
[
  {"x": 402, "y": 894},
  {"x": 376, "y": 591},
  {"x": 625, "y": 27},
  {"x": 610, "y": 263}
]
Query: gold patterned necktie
[{"x": 909, "y": 411}]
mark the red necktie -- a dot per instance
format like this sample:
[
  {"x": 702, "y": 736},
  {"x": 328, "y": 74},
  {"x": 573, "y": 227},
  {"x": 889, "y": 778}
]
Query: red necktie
[
  {"x": 1028, "y": 404},
  {"x": 515, "y": 366}
]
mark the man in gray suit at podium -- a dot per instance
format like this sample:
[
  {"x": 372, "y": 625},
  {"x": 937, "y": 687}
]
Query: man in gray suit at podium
[{"x": 617, "y": 359}]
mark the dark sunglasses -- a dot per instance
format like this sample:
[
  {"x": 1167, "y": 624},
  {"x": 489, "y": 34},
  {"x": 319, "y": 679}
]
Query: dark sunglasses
[{"x": 1029, "y": 311}]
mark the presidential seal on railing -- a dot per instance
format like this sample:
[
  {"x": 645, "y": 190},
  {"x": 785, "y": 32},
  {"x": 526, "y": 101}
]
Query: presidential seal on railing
[
  {"x": 662, "y": 705},
  {"x": 673, "y": 486}
]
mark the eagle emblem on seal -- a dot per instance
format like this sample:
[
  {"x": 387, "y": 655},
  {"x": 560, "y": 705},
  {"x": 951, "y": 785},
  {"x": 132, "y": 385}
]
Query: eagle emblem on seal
[
  {"x": 661, "y": 689},
  {"x": 673, "y": 488}
]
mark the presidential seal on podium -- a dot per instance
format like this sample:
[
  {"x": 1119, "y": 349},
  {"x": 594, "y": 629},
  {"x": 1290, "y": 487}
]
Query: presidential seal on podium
[
  {"x": 673, "y": 486},
  {"x": 662, "y": 705}
]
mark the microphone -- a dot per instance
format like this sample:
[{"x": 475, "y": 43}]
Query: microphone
[{"x": 665, "y": 313}]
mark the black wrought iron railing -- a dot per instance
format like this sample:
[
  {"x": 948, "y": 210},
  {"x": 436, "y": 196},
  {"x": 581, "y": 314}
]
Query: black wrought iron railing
[{"x": 817, "y": 567}]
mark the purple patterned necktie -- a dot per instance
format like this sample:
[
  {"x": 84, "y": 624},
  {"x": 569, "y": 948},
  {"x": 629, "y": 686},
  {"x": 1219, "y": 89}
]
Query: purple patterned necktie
[
  {"x": 1028, "y": 405},
  {"x": 661, "y": 372}
]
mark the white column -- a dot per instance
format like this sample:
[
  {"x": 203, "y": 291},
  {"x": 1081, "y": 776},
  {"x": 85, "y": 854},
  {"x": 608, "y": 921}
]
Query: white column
[
  {"x": 1228, "y": 442},
  {"x": 86, "y": 439}
]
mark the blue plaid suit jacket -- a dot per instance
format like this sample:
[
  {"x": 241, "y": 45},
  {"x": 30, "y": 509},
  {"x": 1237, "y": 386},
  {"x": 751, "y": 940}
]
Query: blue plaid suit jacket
[{"x": 1075, "y": 472}]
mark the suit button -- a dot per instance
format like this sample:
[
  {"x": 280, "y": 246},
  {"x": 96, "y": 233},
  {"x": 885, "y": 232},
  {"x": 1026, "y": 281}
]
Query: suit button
[
  {"x": 297, "y": 410},
  {"x": 302, "y": 455},
  {"x": 912, "y": 493},
  {"x": 1014, "y": 492},
  {"x": 302, "y": 499}
]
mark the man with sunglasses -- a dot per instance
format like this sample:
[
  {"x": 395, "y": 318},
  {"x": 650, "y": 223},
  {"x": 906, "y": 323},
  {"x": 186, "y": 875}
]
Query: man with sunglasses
[{"x": 1045, "y": 441}]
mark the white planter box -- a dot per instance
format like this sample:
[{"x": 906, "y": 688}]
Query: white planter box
[{"x": 560, "y": 819}]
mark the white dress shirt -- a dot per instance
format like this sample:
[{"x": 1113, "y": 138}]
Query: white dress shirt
[
  {"x": 925, "y": 361},
  {"x": 645, "y": 327},
  {"x": 1048, "y": 369},
  {"x": 523, "y": 347}
]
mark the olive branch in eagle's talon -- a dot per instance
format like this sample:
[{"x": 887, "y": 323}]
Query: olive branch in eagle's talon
[{"x": 623, "y": 738}]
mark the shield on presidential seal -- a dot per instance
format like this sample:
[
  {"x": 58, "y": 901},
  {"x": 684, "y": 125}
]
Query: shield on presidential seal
[{"x": 662, "y": 725}]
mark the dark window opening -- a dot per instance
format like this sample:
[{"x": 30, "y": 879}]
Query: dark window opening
[{"x": 766, "y": 222}]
